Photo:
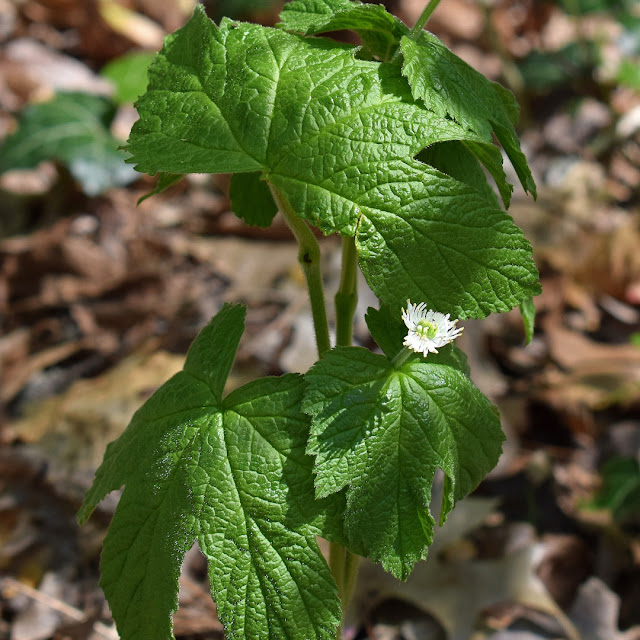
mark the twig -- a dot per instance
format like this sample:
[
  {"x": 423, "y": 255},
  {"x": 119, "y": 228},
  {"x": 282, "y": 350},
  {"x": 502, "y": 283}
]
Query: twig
[{"x": 8, "y": 584}]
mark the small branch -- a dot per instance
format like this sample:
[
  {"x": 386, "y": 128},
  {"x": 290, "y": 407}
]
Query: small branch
[{"x": 10, "y": 584}]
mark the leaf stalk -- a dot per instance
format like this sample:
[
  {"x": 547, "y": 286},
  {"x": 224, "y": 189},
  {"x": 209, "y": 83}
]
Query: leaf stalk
[
  {"x": 423, "y": 19},
  {"x": 419, "y": 25},
  {"x": 344, "y": 568},
  {"x": 343, "y": 563},
  {"x": 309, "y": 258},
  {"x": 401, "y": 357}
]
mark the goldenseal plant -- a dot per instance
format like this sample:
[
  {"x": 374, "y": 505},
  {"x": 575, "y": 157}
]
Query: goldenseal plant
[{"x": 385, "y": 144}]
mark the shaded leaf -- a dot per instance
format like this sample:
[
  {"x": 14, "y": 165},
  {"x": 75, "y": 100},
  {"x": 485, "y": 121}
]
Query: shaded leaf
[
  {"x": 382, "y": 433},
  {"x": 379, "y": 30},
  {"x": 251, "y": 199}
]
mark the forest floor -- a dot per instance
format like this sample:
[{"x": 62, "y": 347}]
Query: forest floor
[{"x": 100, "y": 298}]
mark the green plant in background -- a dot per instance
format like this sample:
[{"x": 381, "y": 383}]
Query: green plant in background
[
  {"x": 620, "y": 491},
  {"x": 237, "y": 8},
  {"x": 73, "y": 129},
  {"x": 383, "y": 144},
  {"x": 128, "y": 74},
  {"x": 543, "y": 71}
]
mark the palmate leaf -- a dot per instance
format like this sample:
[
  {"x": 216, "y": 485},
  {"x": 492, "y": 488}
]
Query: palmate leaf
[
  {"x": 383, "y": 432},
  {"x": 335, "y": 136},
  {"x": 232, "y": 474},
  {"x": 442, "y": 243}
]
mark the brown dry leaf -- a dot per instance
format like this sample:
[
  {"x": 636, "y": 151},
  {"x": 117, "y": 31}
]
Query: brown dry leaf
[
  {"x": 73, "y": 24},
  {"x": 566, "y": 563},
  {"x": 518, "y": 24},
  {"x": 34, "y": 71},
  {"x": 136, "y": 27},
  {"x": 611, "y": 264},
  {"x": 170, "y": 14},
  {"x": 455, "y": 590},
  {"x": 197, "y": 613},
  {"x": 457, "y": 18},
  {"x": 17, "y": 373},
  {"x": 595, "y": 613},
  {"x": 73, "y": 429},
  {"x": 593, "y": 375}
]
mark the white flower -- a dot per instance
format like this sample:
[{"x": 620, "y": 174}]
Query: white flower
[{"x": 428, "y": 330}]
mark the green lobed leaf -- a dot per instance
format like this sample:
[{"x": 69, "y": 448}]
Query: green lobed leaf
[
  {"x": 387, "y": 329},
  {"x": 379, "y": 30},
  {"x": 335, "y": 136},
  {"x": 232, "y": 474},
  {"x": 448, "y": 85},
  {"x": 301, "y": 109},
  {"x": 427, "y": 237},
  {"x": 251, "y": 199},
  {"x": 72, "y": 128},
  {"x": 383, "y": 432},
  {"x": 381, "y": 34},
  {"x": 165, "y": 180},
  {"x": 620, "y": 490}
]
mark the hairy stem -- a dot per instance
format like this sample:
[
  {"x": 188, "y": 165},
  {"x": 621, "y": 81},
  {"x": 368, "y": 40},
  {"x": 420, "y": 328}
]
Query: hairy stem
[
  {"x": 309, "y": 258},
  {"x": 347, "y": 295}
]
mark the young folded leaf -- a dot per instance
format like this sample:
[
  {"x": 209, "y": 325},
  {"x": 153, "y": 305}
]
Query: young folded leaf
[{"x": 379, "y": 30}]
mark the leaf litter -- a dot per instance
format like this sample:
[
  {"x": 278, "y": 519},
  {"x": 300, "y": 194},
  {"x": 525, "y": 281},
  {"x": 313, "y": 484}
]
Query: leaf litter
[{"x": 98, "y": 297}]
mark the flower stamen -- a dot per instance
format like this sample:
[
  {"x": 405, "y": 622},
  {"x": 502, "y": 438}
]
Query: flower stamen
[{"x": 428, "y": 330}]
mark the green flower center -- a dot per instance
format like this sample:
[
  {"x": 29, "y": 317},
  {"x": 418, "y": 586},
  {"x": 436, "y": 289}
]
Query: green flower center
[{"x": 426, "y": 329}]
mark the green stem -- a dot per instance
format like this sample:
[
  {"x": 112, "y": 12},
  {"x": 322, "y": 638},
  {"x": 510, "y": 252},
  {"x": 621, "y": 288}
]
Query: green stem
[
  {"x": 309, "y": 258},
  {"x": 419, "y": 25},
  {"x": 344, "y": 567},
  {"x": 401, "y": 357},
  {"x": 347, "y": 295},
  {"x": 423, "y": 19},
  {"x": 343, "y": 563}
]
